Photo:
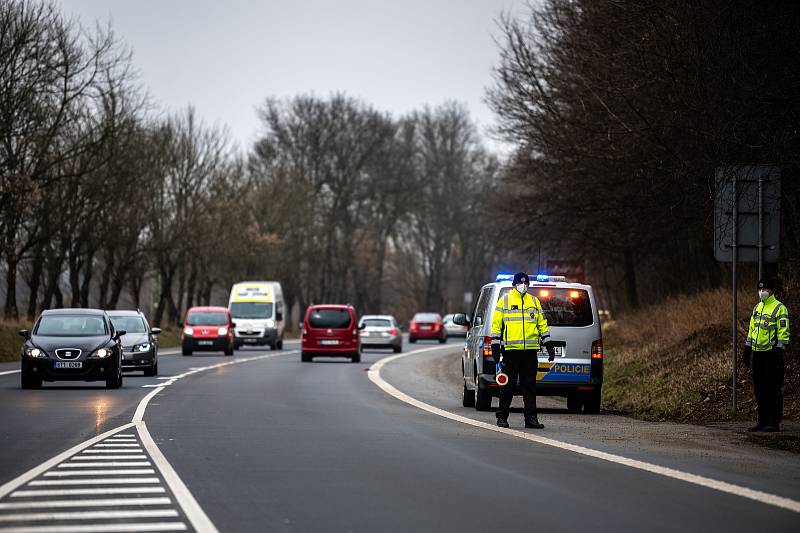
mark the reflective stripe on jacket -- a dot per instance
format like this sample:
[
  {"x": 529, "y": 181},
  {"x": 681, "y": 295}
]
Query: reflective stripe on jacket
[
  {"x": 519, "y": 322},
  {"x": 769, "y": 326}
]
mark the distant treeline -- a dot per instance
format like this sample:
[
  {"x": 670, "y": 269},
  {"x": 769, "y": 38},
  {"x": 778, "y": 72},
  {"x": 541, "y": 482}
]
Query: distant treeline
[
  {"x": 620, "y": 112},
  {"x": 103, "y": 194}
]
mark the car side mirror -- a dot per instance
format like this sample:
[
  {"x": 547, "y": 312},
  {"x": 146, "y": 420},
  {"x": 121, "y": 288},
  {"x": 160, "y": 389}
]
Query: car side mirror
[
  {"x": 233, "y": 324},
  {"x": 155, "y": 331},
  {"x": 362, "y": 326},
  {"x": 279, "y": 316},
  {"x": 460, "y": 319},
  {"x": 119, "y": 333},
  {"x": 300, "y": 326},
  {"x": 25, "y": 334}
]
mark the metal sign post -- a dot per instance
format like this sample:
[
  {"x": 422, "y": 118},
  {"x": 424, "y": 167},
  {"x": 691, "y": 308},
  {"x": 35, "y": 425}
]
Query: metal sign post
[{"x": 746, "y": 228}]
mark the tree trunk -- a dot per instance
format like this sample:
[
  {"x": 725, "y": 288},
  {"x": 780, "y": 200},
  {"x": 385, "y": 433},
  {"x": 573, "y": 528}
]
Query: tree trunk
[
  {"x": 105, "y": 282},
  {"x": 630, "y": 279},
  {"x": 86, "y": 283},
  {"x": 11, "y": 312}
]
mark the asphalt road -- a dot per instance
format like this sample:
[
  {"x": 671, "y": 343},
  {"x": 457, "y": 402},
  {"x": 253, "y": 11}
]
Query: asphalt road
[{"x": 278, "y": 445}]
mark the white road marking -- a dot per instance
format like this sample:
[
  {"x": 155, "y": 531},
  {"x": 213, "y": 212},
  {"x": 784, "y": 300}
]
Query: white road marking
[
  {"x": 92, "y": 451},
  {"x": 722, "y": 486},
  {"x": 118, "y": 446},
  {"x": 113, "y": 463},
  {"x": 98, "y": 528},
  {"x": 124, "y": 502},
  {"x": 110, "y": 472},
  {"x": 96, "y": 481},
  {"x": 86, "y": 492},
  {"x": 106, "y": 457},
  {"x": 88, "y": 515},
  {"x": 7, "y": 372}
]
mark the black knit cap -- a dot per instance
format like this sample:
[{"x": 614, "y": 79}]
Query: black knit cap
[
  {"x": 766, "y": 283},
  {"x": 521, "y": 277}
]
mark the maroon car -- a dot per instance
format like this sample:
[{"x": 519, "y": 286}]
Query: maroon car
[
  {"x": 427, "y": 326},
  {"x": 330, "y": 331}
]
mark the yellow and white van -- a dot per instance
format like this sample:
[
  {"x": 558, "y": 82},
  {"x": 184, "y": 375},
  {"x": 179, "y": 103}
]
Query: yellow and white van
[{"x": 257, "y": 309}]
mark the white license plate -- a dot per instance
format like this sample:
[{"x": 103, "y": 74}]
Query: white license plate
[
  {"x": 559, "y": 350},
  {"x": 68, "y": 364},
  {"x": 426, "y": 328},
  {"x": 329, "y": 342},
  {"x": 205, "y": 343},
  {"x": 249, "y": 340}
]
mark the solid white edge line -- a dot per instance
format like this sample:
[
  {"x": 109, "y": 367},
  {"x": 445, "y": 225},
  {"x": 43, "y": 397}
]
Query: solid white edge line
[
  {"x": 60, "y": 458},
  {"x": 194, "y": 513},
  {"x": 789, "y": 504},
  {"x": 7, "y": 372}
]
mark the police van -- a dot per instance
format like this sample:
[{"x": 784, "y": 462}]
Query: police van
[
  {"x": 257, "y": 310},
  {"x": 572, "y": 316}
]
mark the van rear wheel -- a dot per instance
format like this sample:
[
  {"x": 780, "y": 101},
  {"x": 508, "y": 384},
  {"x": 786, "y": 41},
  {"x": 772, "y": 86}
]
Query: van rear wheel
[
  {"x": 305, "y": 358},
  {"x": 591, "y": 403},
  {"x": 574, "y": 403},
  {"x": 483, "y": 399}
]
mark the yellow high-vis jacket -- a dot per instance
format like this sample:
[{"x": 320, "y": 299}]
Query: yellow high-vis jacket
[
  {"x": 769, "y": 326},
  {"x": 518, "y": 322}
]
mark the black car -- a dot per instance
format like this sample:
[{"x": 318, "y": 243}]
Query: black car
[
  {"x": 139, "y": 344},
  {"x": 72, "y": 345}
]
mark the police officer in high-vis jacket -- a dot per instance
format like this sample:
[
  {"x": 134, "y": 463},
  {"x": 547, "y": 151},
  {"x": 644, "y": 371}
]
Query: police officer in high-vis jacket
[
  {"x": 519, "y": 328},
  {"x": 767, "y": 340}
]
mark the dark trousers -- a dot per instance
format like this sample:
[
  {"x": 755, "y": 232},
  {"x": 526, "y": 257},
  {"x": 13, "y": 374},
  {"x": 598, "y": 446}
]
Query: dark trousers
[
  {"x": 768, "y": 386},
  {"x": 522, "y": 363}
]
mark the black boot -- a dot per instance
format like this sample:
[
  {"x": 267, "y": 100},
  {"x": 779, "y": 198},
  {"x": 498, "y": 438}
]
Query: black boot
[
  {"x": 502, "y": 422},
  {"x": 533, "y": 423}
]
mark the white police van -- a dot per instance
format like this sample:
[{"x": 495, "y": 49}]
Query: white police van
[{"x": 571, "y": 312}]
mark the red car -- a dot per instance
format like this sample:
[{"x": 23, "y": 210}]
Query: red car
[
  {"x": 427, "y": 326},
  {"x": 207, "y": 329},
  {"x": 330, "y": 331}
]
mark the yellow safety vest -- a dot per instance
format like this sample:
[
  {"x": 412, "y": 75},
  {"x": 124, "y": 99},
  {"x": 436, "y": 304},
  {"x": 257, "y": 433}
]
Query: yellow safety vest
[
  {"x": 769, "y": 326},
  {"x": 519, "y": 322}
]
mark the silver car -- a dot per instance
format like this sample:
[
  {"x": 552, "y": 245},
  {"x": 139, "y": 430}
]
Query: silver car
[
  {"x": 140, "y": 342},
  {"x": 380, "y": 331},
  {"x": 453, "y": 329},
  {"x": 574, "y": 323}
]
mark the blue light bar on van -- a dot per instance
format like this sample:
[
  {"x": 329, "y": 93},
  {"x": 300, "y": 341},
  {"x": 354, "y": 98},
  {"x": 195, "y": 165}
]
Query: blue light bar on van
[
  {"x": 547, "y": 277},
  {"x": 504, "y": 277}
]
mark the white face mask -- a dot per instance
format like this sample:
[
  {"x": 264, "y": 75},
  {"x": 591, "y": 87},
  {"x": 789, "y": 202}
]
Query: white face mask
[
  {"x": 763, "y": 295},
  {"x": 522, "y": 288}
]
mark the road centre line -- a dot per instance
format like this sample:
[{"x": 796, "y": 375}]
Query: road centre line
[
  {"x": 374, "y": 375},
  {"x": 97, "y": 528}
]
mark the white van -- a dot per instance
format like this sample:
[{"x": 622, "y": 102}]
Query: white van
[{"x": 257, "y": 309}]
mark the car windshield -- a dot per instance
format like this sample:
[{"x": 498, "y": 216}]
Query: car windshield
[
  {"x": 71, "y": 326},
  {"x": 563, "y": 307},
  {"x": 207, "y": 318},
  {"x": 426, "y": 317},
  {"x": 251, "y": 309},
  {"x": 129, "y": 324},
  {"x": 377, "y": 323},
  {"x": 329, "y": 318}
]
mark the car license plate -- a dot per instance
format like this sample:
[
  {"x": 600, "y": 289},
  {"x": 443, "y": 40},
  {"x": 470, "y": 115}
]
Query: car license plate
[
  {"x": 249, "y": 340},
  {"x": 329, "y": 342},
  {"x": 205, "y": 343},
  {"x": 426, "y": 328},
  {"x": 68, "y": 364},
  {"x": 559, "y": 350}
]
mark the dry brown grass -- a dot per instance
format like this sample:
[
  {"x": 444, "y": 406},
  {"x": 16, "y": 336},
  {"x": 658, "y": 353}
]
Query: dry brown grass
[{"x": 672, "y": 361}]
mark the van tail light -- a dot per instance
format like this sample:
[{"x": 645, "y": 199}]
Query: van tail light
[
  {"x": 487, "y": 347},
  {"x": 305, "y": 332},
  {"x": 597, "y": 349},
  {"x": 355, "y": 332}
]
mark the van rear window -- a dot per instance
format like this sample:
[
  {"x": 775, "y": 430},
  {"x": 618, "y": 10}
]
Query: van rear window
[
  {"x": 563, "y": 307},
  {"x": 329, "y": 318}
]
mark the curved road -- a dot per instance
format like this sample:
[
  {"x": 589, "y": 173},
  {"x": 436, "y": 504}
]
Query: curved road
[{"x": 279, "y": 445}]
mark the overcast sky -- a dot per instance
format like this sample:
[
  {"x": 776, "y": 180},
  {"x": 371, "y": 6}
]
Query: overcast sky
[{"x": 226, "y": 57}]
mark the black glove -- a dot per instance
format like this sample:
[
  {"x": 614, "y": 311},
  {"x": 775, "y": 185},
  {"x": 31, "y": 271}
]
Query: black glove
[
  {"x": 496, "y": 352},
  {"x": 551, "y": 351},
  {"x": 746, "y": 353}
]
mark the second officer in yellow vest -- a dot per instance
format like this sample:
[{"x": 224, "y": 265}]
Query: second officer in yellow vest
[{"x": 519, "y": 328}]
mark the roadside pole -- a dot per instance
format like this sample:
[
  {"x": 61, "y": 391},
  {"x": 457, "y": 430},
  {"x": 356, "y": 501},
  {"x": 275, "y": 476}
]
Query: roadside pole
[{"x": 746, "y": 229}]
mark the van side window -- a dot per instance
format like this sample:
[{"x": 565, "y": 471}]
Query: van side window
[{"x": 481, "y": 306}]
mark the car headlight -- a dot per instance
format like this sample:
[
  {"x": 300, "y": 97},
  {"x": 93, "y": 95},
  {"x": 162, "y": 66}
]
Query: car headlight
[
  {"x": 188, "y": 331},
  {"x": 36, "y": 352},
  {"x": 142, "y": 347},
  {"x": 270, "y": 323},
  {"x": 222, "y": 331},
  {"x": 102, "y": 352}
]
